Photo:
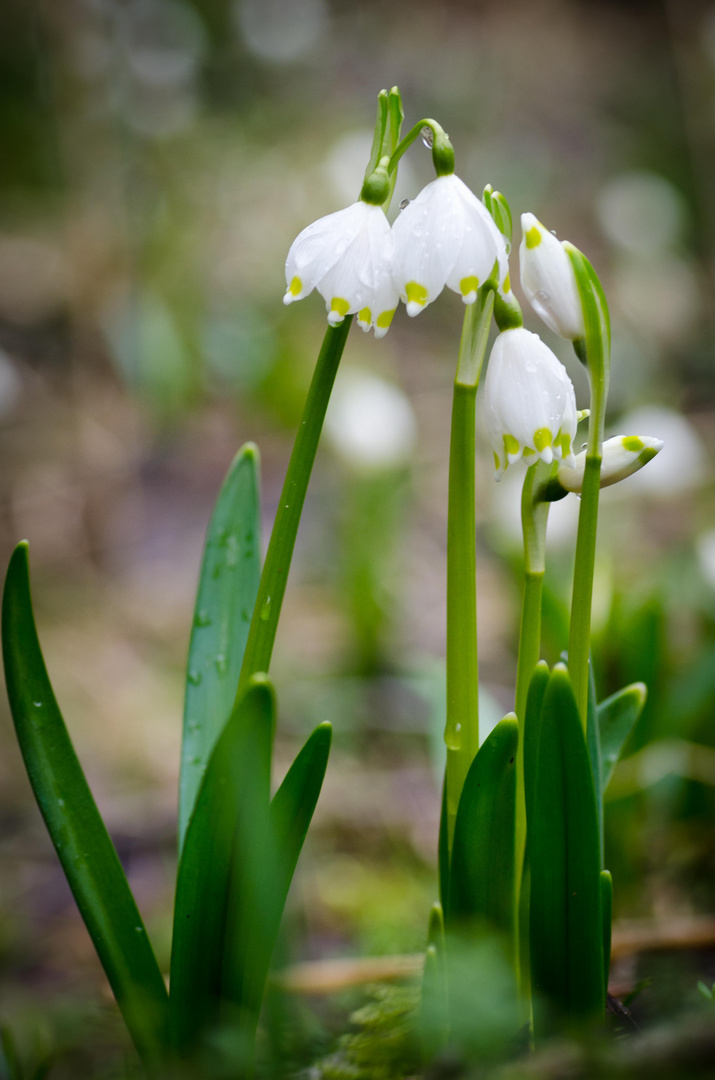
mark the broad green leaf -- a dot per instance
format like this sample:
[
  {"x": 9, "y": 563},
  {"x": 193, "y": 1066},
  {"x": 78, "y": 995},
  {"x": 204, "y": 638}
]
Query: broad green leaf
[
  {"x": 566, "y": 933},
  {"x": 227, "y": 591},
  {"x": 482, "y": 880},
  {"x": 88, "y": 857},
  {"x": 617, "y": 716},
  {"x": 231, "y": 812},
  {"x": 532, "y": 733},
  {"x": 607, "y": 917},
  {"x": 256, "y": 902},
  {"x": 593, "y": 741}
]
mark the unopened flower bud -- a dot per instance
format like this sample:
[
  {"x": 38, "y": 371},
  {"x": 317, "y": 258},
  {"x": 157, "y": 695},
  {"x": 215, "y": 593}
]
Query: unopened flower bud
[
  {"x": 549, "y": 281},
  {"x": 623, "y": 455}
]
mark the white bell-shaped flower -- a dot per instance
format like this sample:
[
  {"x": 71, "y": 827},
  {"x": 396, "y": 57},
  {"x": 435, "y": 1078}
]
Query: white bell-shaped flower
[
  {"x": 549, "y": 281},
  {"x": 529, "y": 402},
  {"x": 445, "y": 236},
  {"x": 622, "y": 456},
  {"x": 347, "y": 256}
]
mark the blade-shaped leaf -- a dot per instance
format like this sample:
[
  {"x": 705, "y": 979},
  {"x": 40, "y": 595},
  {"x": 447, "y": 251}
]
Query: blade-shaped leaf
[
  {"x": 607, "y": 917},
  {"x": 482, "y": 882},
  {"x": 593, "y": 741},
  {"x": 257, "y": 900},
  {"x": 88, "y": 857},
  {"x": 228, "y": 586},
  {"x": 617, "y": 716},
  {"x": 566, "y": 935},
  {"x": 232, "y": 805},
  {"x": 532, "y": 733}
]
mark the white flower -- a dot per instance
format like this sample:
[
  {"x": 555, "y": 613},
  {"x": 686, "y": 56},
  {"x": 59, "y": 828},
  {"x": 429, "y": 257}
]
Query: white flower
[
  {"x": 370, "y": 422},
  {"x": 347, "y": 256},
  {"x": 622, "y": 456},
  {"x": 445, "y": 236},
  {"x": 549, "y": 281},
  {"x": 529, "y": 402}
]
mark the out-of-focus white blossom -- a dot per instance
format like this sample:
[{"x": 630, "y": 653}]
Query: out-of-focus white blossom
[{"x": 370, "y": 422}]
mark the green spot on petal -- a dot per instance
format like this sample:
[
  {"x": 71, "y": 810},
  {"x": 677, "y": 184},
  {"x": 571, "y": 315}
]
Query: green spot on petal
[
  {"x": 542, "y": 439},
  {"x": 341, "y": 306},
  {"x": 533, "y": 237},
  {"x": 384, "y": 319},
  {"x": 416, "y": 293},
  {"x": 511, "y": 445},
  {"x": 632, "y": 442},
  {"x": 365, "y": 315},
  {"x": 468, "y": 285},
  {"x": 507, "y": 283},
  {"x": 565, "y": 441},
  {"x": 528, "y": 452},
  {"x": 295, "y": 287},
  {"x": 496, "y": 461},
  {"x": 647, "y": 455}
]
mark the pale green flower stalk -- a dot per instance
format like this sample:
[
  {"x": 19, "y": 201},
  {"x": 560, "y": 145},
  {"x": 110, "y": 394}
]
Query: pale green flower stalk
[
  {"x": 376, "y": 193},
  {"x": 447, "y": 237},
  {"x": 564, "y": 290}
]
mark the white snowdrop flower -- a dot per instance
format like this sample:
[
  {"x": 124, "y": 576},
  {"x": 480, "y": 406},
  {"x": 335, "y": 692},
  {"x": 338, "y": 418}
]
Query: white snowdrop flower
[
  {"x": 622, "y": 456},
  {"x": 529, "y": 402},
  {"x": 445, "y": 236},
  {"x": 347, "y": 256},
  {"x": 549, "y": 281}
]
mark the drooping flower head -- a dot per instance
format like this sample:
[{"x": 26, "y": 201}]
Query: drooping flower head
[
  {"x": 347, "y": 257},
  {"x": 549, "y": 281},
  {"x": 529, "y": 402},
  {"x": 445, "y": 236}
]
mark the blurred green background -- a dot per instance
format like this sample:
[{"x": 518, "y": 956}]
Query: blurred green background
[{"x": 157, "y": 158}]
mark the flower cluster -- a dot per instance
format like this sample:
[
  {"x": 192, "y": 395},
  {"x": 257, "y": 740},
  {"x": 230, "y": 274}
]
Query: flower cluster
[{"x": 359, "y": 265}]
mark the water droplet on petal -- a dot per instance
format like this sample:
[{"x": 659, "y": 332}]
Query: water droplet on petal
[
  {"x": 427, "y": 136},
  {"x": 405, "y": 203}
]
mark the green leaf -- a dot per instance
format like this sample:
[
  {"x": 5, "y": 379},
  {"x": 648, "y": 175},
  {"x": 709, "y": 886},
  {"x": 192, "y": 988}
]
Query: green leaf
[
  {"x": 256, "y": 906},
  {"x": 532, "y": 733},
  {"x": 607, "y": 917},
  {"x": 566, "y": 932},
  {"x": 617, "y": 716},
  {"x": 593, "y": 741},
  {"x": 227, "y": 591},
  {"x": 231, "y": 812},
  {"x": 482, "y": 881},
  {"x": 88, "y": 857}
]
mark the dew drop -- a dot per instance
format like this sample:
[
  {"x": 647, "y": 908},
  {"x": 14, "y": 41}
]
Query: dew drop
[
  {"x": 427, "y": 136},
  {"x": 194, "y": 677},
  {"x": 202, "y": 618},
  {"x": 457, "y": 727},
  {"x": 221, "y": 664},
  {"x": 266, "y": 610},
  {"x": 405, "y": 203},
  {"x": 37, "y": 704},
  {"x": 543, "y": 296}
]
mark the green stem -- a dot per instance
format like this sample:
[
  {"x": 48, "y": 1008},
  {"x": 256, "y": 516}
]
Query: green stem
[
  {"x": 462, "y": 731},
  {"x": 271, "y": 589},
  {"x": 534, "y": 517},
  {"x": 596, "y": 350}
]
